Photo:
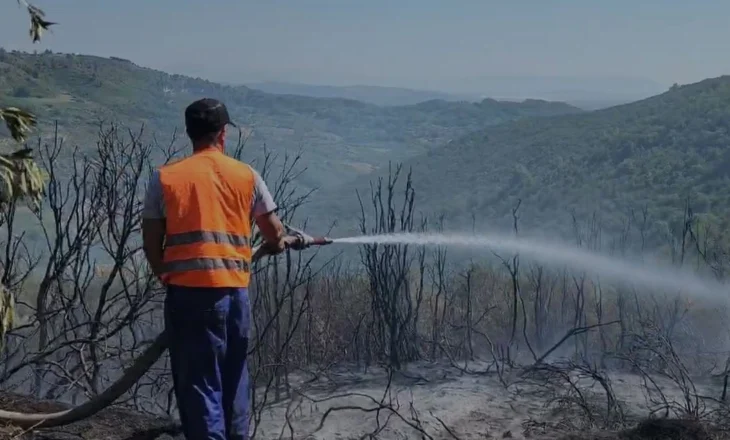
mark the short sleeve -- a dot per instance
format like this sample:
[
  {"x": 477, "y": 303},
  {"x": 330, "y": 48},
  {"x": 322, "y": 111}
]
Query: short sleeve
[
  {"x": 154, "y": 205},
  {"x": 263, "y": 201}
]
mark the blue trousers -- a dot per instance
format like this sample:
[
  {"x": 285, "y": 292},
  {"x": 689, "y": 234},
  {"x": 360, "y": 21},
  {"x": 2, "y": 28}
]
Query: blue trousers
[{"x": 208, "y": 331}]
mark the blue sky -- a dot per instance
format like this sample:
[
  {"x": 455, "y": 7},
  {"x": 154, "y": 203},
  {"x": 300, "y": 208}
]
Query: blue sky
[{"x": 418, "y": 43}]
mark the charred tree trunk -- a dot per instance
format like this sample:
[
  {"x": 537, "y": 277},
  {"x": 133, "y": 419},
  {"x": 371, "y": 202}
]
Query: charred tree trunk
[{"x": 388, "y": 267}]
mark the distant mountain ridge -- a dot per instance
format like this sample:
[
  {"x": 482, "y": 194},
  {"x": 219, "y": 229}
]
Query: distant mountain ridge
[
  {"x": 654, "y": 153},
  {"x": 340, "y": 138},
  {"x": 585, "y": 92},
  {"x": 562, "y": 88},
  {"x": 378, "y": 95}
]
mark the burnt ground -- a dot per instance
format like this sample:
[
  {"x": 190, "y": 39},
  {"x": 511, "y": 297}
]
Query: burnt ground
[
  {"x": 109, "y": 424},
  {"x": 121, "y": 424},
  {"x": 659, "y": 429}
]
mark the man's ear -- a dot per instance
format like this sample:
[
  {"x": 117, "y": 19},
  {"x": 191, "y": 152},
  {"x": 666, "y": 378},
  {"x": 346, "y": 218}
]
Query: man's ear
[{"x": 222, "y": 136}]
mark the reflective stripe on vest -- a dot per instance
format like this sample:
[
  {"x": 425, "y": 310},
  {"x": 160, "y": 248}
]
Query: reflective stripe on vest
[
  {"x": 206, "y": 236},
  {"x": 204, "y": 263},
  {"x": 208, "y": 199}
]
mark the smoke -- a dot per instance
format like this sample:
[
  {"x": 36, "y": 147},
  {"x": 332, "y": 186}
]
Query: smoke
[{"x": 667, "y": 279}]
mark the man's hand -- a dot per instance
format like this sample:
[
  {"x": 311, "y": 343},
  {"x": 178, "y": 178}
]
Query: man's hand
[{"x": 296, "y": 241}]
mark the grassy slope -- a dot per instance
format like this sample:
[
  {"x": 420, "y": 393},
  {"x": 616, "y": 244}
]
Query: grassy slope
[
  {"x": 341, "y": 138},
  {"x": 655, "y": 152}
]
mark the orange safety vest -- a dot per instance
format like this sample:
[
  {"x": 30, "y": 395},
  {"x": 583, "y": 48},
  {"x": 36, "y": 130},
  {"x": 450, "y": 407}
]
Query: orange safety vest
[{"x": 208, "y": 198}]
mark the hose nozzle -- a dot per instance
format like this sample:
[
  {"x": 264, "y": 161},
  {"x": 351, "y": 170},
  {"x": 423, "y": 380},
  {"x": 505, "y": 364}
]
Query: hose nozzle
[
  {"x": 321, "y": 241},
  {"x": 304, "y": 240}
]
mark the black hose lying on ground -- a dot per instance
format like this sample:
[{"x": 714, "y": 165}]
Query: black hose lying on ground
[{"x": 134, "y": 373}]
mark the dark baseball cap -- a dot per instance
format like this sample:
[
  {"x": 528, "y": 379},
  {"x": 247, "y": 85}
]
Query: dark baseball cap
[{"x": 206, "y": 116}]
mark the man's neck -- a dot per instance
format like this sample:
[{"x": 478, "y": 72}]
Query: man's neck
[{"x": 207, "y": 147}]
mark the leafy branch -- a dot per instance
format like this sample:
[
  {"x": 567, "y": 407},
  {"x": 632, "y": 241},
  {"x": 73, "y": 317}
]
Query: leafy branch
[
  {"x": 20, "y": 122},
  {"x": 38, "y": 23},
  {"x": 20, "y": 176}
]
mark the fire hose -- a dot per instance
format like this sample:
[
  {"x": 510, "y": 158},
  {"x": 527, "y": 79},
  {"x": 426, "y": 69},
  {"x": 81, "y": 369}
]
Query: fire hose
[{"x": 296, "y": 240}]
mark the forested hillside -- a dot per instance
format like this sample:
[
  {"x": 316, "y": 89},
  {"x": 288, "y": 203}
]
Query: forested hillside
[
  {"x": 654, "y": 153},
  {"x": 341, "y": 138},
  {"x": 470, "y": 160}
]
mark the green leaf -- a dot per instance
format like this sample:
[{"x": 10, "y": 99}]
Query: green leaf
[
  {"x": 7, "y": 313},
  {"x": 38, "y": 24},
  {"x": 18, "y": 121},
  {"x": 21, "y": 179}
]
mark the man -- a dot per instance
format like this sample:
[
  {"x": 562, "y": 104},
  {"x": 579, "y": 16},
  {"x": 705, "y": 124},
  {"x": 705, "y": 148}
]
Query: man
[{"x": 201, "y": 209}]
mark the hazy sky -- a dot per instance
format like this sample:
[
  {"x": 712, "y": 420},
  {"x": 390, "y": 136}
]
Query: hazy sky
[{"x": 417, "y": 43}]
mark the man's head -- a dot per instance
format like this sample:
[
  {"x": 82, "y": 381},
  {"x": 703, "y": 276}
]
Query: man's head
[{"x": 205, "y": 123}]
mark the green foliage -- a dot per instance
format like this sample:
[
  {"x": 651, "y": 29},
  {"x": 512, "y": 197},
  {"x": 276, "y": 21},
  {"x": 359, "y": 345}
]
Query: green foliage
[
  {"x": 22, "y": 92},
  {"x": 7, "y": 313},
  {"x": 19, "y": 122},
  {"x": 38, "y": 23},
  {"x": 21, "y": 179},
  {"x": 341, "y": 138},
  {"x": 20, "y": 176},
  {"x": 656, "y": 153}
]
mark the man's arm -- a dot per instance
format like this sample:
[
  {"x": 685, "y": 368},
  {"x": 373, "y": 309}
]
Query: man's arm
[
  {"x": 153, "y": 237},
  {"x": 265, "y": 216},
  {"x": 153, "y": 225}
]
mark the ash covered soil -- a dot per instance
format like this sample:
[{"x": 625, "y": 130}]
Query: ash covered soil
[
  {"x": 112, "y": 423},
  {"x": 443, "y": 401}
]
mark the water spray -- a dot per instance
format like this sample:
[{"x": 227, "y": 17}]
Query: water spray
[{"x": 668, "y": 279}]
